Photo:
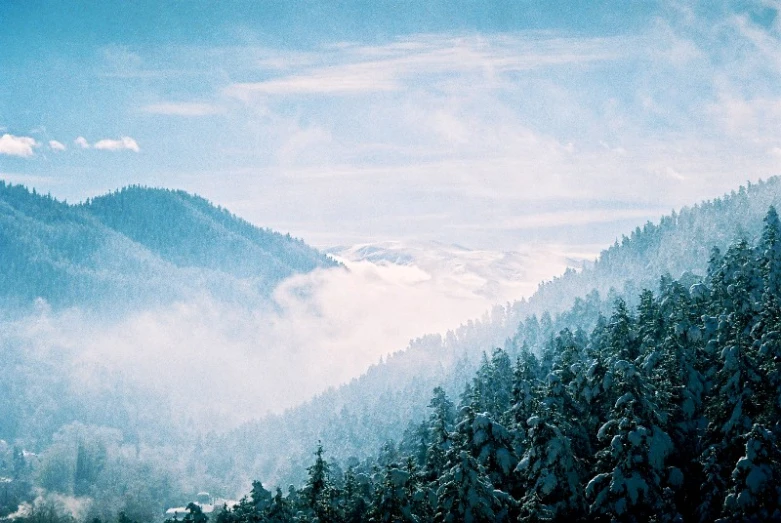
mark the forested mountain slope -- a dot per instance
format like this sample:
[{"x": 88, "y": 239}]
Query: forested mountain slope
[
  {"x": 670, "y": 411},
  {"x": 188, "y": 231},
  {"x": 136, "y": 245},
  {"x": 76, "y": 424},
  {"x": 357, "y": 418}
]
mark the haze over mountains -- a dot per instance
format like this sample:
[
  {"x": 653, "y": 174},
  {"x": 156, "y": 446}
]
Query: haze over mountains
[
  {"x": 211, "y": 362},
  {"x": 138, "y": 244},
  {"x": 373, "y": 409},
  {"x": 495, "y": 276}
]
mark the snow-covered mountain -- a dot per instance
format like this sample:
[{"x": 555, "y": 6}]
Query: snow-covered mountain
[{"x": 458, "y": 271}]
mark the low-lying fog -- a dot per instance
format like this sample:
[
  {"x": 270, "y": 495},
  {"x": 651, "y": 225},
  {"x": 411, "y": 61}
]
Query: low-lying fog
[{"x": 224, "y": 364}]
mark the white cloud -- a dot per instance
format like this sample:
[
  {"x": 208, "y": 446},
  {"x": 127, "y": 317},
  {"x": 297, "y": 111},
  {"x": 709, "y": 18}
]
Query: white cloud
[
  {"x": 322, "y": 82},
  {"x": 182, "y": 109},
  {"x": 325, "y": 328},
  {"x": 584, "y": 217},
  {"x": 394, "y": 66},
  {"x": 54, "y": 145},
  {"x": 17, "y": 145},
  {"x": 82, "y": 142},
  {"x": 124, "y": 143}
]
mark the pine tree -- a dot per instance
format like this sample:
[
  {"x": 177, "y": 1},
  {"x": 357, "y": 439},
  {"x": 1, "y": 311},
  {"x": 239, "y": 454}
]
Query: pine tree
[
  {"x": 632, "y": 479},
  {"x": 280, "y": 511},
  {"x": 465, "y": 494},
  {"x": 767, "y": 332},
  {"x": 261, "y": 498},
  {"x": 440, "y": 426},
  {"x": 676, "y": 364},
  {"x": 393, "y": 502},
  {"x": 493, "y": 384},
  {"x": 525, "y": 395},
  {"x": 354, "y": 504},
  {"x": 319, "y": 493},
  {"x": 736, "y": 379},
  {"x": 754, "y": 492},
  {"x": 550, "y": 472}
]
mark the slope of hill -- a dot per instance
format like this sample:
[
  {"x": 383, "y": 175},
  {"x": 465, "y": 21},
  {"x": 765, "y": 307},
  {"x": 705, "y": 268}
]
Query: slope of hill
[
  {"x": 136, "y": 244},
  {"x": 359, "y": 417},
  {"x": 669, "y": 413},
  {"x": 188, "y": 231}
]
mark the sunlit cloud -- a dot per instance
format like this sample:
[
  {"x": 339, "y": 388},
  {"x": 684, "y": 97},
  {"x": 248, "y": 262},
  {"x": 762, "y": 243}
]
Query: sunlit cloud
[
  {"x": 82, "y": 142},
  {"x": 124, "y": 143},
  {"x": 54, "y": 145},
  {"x": 22, "y": 146}
]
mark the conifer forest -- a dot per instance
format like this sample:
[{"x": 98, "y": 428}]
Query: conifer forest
[{"x": 390, "y": 261}]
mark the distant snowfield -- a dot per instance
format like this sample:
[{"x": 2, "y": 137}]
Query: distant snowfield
[{"x": 226, "y": 363}]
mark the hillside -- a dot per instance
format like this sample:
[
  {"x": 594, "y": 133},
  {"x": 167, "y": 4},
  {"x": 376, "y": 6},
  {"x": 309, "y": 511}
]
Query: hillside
[
  {"x": 188, "y": 231},
  {"x": 668, "y": 412},
  {"x": 137, "y": 245},
  {"x": 54, "y": 403},
  {"x": 359, "y": 417}
]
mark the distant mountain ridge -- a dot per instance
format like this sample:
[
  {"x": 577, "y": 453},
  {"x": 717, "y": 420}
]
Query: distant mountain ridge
[
  {"x": 498, "y": 276},
  {"x": 195, "y": 233},
  {"x": 137, "y": 243}
]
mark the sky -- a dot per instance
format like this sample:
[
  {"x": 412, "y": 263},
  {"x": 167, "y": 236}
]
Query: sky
[{"x": 487, "y": 124}]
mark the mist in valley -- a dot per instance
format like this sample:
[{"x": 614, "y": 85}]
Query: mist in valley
[
  {"x": 423, "y": 263},
  {"x": 220, "y": 362}
]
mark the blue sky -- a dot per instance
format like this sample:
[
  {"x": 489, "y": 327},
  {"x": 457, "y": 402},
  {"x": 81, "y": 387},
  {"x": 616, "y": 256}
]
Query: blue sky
[{"x": 490, "y": 124}]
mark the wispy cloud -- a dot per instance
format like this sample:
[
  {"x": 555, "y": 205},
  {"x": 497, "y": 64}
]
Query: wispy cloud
[
  {"x": 124, "y": 143},
  {"x": 578, "y": 217},
  {"x": 319, "y": 82},
  {"x": 392, "y": 67},
  {"x": 182, "y": 109},
  {"x": 54, "y": 145},
  {"x": 82, "y": 142},
  {"x": 22, "y": 146}
]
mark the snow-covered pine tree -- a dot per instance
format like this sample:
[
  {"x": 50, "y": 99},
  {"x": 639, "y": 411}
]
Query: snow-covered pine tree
[
  {"x": 493, "y": 384},
  {"x": 525, "y": 395},
  {"x": 767, "y": 332},
  {"x": 675, "y": 362},
  {"x": 632, "y": 477},
  {"x": 735, "y": 305},
  {"x": 393, "y": 501},
  {"x": 465, "y": 495},
  {"x": 492, "y": 445},
  {"x": 319, "y": 493},
  {"x": 754, "y": 492},
  {"x": 441, "y": 423},
  {"x": 549, "y": 471}
]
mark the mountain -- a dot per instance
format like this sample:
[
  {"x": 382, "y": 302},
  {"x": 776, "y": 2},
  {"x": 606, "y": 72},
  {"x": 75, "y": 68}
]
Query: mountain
[
  {"x": 496, "y": 276},
  {"x": 355, "y": 420},
  {"x": 188, "y": 231},
  {"x": 668, "y": 412},
  {"x": 137, "y": 244},
  {"x": 128, "y": 440},
  {"x": 93, "y": 299}
]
